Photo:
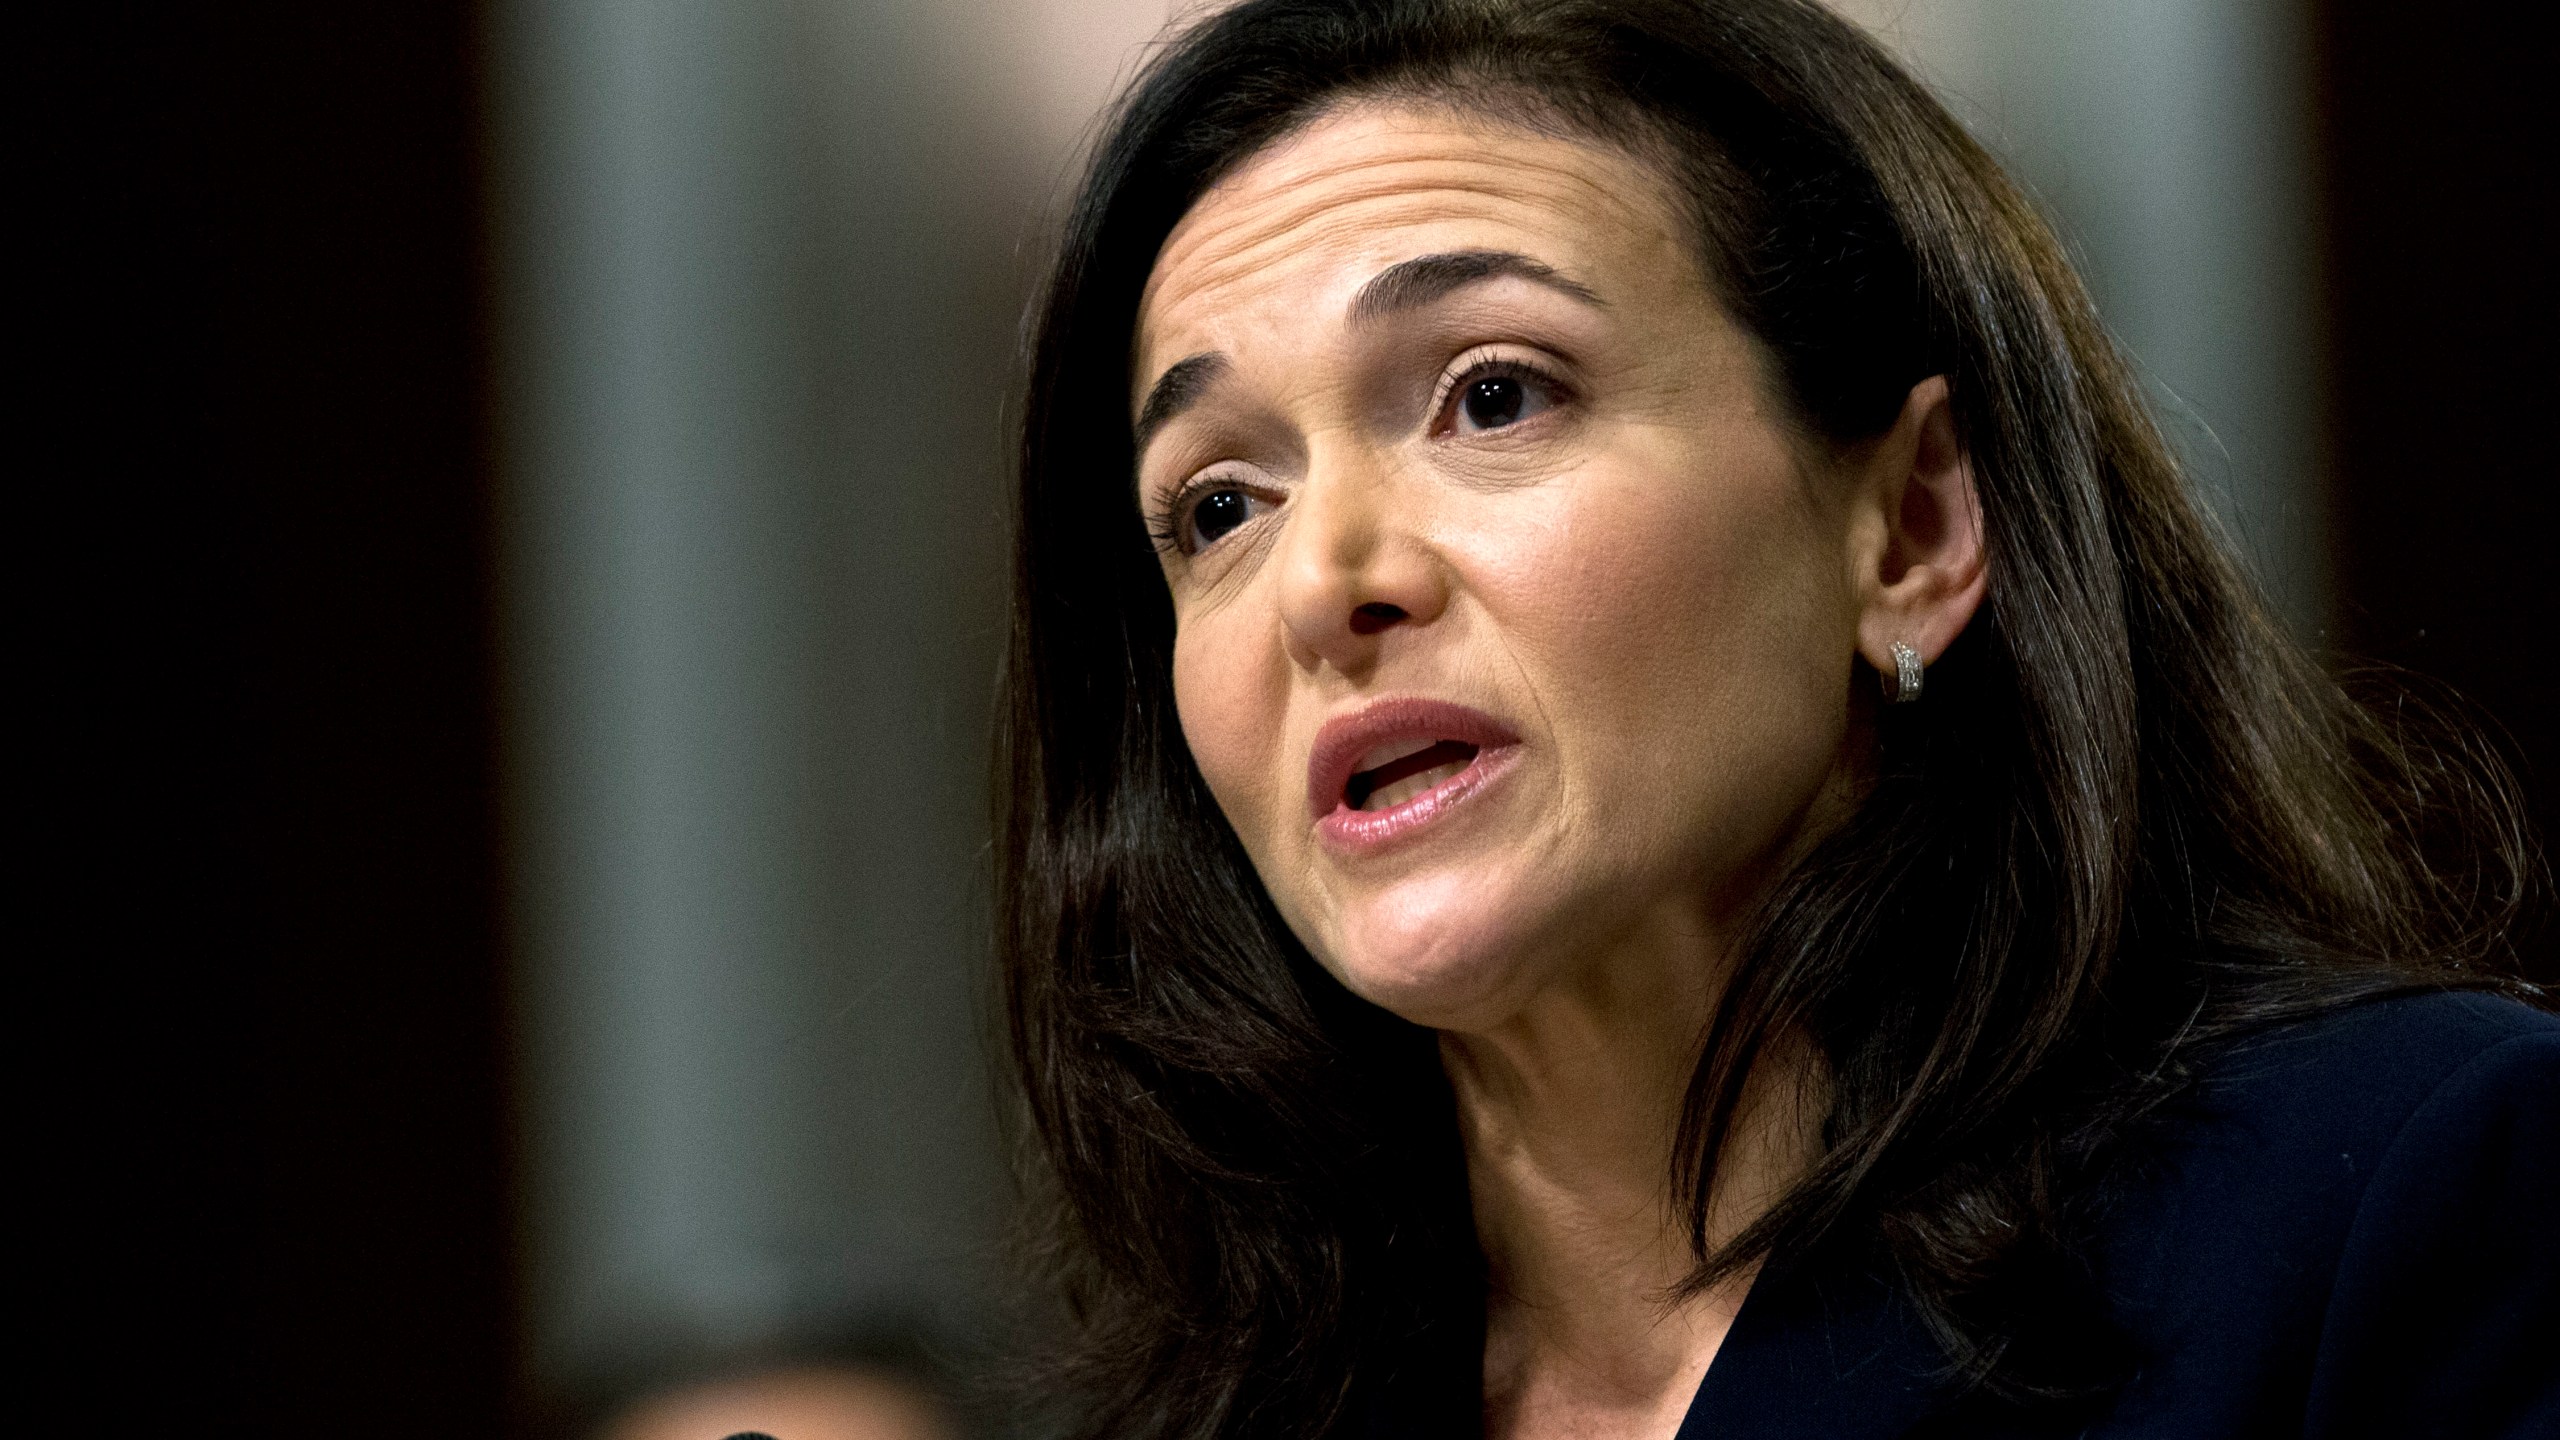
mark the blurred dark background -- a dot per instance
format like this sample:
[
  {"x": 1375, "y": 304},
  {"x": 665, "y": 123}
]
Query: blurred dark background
[{"x": 515, "y": 830}]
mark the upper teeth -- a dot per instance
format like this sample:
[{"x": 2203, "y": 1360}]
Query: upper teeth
[{"x": 1391, "y": 752}]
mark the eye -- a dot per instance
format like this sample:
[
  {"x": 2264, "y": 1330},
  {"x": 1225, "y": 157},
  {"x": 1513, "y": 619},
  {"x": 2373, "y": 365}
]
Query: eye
[
  {"x": 1490, "y": 404},
  {"x": 1216, "y": 513},
  {"x": 1495, "y": 395},
  {"x": 1206, "y": 514}
]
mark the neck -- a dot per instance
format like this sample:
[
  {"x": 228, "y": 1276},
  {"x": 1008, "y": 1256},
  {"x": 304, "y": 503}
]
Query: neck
[{"x": 1569, "y": 1112}]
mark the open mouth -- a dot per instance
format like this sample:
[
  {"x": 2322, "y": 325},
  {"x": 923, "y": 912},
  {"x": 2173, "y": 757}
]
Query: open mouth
[
  {"x": 1395, "y": 773},
  {"x": 1397, "y": 766}
]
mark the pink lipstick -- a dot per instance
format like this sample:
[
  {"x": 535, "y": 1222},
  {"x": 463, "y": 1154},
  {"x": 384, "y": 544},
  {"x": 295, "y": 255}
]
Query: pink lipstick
[{"x": 1389, "y": 769}]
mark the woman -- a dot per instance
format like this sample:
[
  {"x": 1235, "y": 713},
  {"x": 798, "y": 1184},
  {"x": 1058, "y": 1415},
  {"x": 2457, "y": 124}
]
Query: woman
[{"x": 1636, "y": 802}]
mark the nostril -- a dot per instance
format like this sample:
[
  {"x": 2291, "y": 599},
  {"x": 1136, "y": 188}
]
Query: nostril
[{"x": 1375, "y": 616}]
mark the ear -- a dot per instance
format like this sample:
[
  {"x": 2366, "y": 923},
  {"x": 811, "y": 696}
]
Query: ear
[{"x": 1919, "y": 558}]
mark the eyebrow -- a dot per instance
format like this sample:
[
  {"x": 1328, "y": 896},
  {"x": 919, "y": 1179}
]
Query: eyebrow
[
  {"x": 1174, "y": 391},
  {"x": 1426, "y": 278},
  {"x": 1405, "y": 285}
]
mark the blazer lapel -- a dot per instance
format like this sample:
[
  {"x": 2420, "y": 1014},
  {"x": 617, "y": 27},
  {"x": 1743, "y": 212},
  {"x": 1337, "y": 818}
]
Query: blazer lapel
[
  {"x": 1820, "y": 1356},
  {"x": 1812, "y": 1356}
]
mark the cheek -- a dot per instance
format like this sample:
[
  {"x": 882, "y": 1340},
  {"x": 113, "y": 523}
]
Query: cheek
[
  {"x": 1230, "y": 715},
  {"x": 1658, "y": 557},
  {"x": 1682, "y": 619}
]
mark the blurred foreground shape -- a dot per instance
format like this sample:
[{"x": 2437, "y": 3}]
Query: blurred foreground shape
[{"x": 802, "y": 1404}]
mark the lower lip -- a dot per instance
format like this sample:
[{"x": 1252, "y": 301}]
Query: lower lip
[{"x": 1351, "y": 831}]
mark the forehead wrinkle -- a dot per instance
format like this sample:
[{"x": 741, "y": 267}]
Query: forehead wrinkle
[
  {"x": 1225, "y": 245},
  {"x": 1310, "y": 206}
]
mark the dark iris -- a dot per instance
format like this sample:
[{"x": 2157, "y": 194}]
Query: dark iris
[
  {"x": 1494, "y": 401},
  {"x": 1218, "y": 512}
]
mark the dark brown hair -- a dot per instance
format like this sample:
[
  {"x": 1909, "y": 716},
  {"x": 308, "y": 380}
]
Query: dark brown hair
[{"x": 2131, "y": 819}]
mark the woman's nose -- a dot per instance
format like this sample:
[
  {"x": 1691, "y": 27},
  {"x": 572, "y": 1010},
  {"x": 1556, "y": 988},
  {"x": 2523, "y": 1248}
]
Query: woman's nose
[{"x": 1355, "y": 567}]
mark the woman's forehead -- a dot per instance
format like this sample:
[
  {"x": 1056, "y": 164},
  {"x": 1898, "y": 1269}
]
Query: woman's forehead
[{"x": 1301, "y": 227}]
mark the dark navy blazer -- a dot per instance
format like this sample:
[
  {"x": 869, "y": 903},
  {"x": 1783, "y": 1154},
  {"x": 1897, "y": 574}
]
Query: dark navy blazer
[{"x": 2349, "y": 1228}]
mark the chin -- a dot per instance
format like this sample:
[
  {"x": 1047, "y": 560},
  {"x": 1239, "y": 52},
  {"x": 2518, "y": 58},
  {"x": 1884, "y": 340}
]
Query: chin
[{"x": 1446, "y": 949}]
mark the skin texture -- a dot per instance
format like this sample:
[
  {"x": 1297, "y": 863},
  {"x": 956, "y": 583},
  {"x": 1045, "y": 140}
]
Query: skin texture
[{"x": 1649, "y": 576}]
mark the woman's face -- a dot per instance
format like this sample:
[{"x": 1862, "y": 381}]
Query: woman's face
[{"x": 1514, "y": 633}]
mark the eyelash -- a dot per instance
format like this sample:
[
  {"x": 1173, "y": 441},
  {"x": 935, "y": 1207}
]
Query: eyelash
[
  {"x": 1460, "y": 375},
  {"x": 1168, "y": 531}
]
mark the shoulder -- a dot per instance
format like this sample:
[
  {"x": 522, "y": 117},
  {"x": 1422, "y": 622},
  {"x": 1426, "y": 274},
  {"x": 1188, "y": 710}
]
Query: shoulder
[
  {"x": 2338, "y": 1223},
  {"x": 2369, "y": 1067},
  {"x": 2274, "y": 1149},
  {"x": 2315, "y": 1106}
]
